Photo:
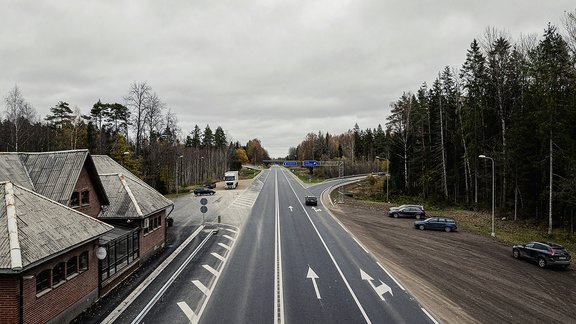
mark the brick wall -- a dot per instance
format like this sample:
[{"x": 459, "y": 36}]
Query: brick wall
[
  {"x": 57, "y": 302},
  {"x": 9, "y": 301},
  {"x": 153, "y": 241},
  {"x": 85, "y": 183}
]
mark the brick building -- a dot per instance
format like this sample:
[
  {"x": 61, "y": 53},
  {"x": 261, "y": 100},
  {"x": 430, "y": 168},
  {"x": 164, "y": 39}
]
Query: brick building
[{"x": 59, "y": 211}]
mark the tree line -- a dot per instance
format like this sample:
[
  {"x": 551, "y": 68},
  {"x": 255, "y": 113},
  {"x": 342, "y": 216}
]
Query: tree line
[
  {"x": 513, "y": 103},
  {"x": 141, "y": 133}
]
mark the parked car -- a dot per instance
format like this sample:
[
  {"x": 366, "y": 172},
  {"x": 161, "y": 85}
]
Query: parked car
[
  {"x": 311, "y": 201},
  {"x": 407, "y": 212},
  {"x": 203, "y": 191},
  {"x": 544, "y": 253},
  {"x": 210, "y": 185},
  {"x": 403, "y": 206},
  {"x": 437, "y": 223}
]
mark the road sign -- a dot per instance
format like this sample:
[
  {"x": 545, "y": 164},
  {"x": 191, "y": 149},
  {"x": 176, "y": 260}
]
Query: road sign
[
  {"x": 290, "y": 163},
  {"x": 309, "y": 163},
  {"x": 203, "y": 209},
  {"x": 203, "y": 201}
]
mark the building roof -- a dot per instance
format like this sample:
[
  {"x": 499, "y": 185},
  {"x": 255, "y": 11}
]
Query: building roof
[
  {"x": 130, "y": 197},
  {"x": 34, "y": 228},
  {"x": 51, "y": 174}
]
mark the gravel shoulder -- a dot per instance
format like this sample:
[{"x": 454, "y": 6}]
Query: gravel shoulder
[{"x": 461, "y": 277}]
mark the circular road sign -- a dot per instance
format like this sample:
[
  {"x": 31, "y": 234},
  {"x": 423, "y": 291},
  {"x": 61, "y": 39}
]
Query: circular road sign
[
  {"x": 203, "y": 209},
  {"x": 203, "y": 201}
]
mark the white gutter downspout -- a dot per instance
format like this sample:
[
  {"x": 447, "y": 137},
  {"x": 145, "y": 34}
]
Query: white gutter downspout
[{"x": 15, "y": 253}]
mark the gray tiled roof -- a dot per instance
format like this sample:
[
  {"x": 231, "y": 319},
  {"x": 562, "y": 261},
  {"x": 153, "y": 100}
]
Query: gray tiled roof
[
  {"x": 55, "y": 174},
  {"x": 130, "y": 197},
  {"x": 45, "y": 227},
  {"x": 12, "y": 169}
]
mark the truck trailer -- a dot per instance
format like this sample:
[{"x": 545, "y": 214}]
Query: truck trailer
[{"x": 231, "y": 179}]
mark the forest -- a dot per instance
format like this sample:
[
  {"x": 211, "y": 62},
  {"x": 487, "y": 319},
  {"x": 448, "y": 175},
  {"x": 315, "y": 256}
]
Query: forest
[
  {"x": 509, "y": 110},
  {"x": 141, "y": 134}
]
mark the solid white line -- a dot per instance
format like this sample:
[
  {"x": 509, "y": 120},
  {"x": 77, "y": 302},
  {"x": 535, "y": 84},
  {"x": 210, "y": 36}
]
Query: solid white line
[
  {"x": 360, "y": 244},
  {"x": 334, "y": 261},
  {"x": 124, "y": 304},
  {"x": 224, "y": 246},
  {"x": 201, "y": 311},
  {"x": 187, "y": 311},
  {"x": 429, "y": 315},
  {"x": 390, "y": 275},
  {"x": 170, "y": 281},
  {"x": 201, "y": 286},
  {"x": 218, "y": 256},
  {"x": 229, "y": 237},
  {"x": 210, "y": 269},
  {"x": 278, "y": 288}
]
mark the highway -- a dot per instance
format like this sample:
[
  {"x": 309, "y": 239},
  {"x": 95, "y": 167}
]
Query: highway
[
  {"x": 276, "y": 261},
  {"x": 296, "y": 264}
]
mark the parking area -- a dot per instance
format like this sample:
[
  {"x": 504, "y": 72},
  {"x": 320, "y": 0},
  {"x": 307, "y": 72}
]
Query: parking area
[{"x": 461, "y": 276}]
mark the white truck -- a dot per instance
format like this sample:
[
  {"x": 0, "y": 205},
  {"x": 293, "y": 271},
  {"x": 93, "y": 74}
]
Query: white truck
[{"x": 230, "y": 179}]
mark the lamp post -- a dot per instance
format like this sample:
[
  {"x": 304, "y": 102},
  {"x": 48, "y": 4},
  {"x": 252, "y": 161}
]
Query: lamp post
[
  {"x": 201, "y": 169},
  {"x": 482, "y": 156},
  {"x": 178, "y": 173}
]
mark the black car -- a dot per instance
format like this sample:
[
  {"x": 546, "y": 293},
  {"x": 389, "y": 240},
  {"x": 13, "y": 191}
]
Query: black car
[
  {"x": 407, "y": 212},
  {"x": 203, "y": 191},
  {"x": 544, "y": 253},
  {"x": 311, "y": 201},
  {"x": 438, "y": 223},
  {"x": 210, "y": 185}
]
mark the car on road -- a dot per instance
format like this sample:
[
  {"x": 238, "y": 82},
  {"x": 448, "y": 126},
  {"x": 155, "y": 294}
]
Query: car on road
[
  {"x": 414, "y": 212},
  {"x": 544, "y": 253},
  {"x": 203, "y": 191},
  {"x": 210, "y": 185},
  {"x": 447, "y": 224},
  {"x": 311, "y": 201}
]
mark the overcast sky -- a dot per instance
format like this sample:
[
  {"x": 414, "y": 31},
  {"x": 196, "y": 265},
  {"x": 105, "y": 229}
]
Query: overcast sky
[{"x": 272, "y": 70}]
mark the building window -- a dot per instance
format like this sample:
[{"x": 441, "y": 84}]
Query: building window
[
  {"x": 121, "y": 252},
  {"x": 58, "y": 273},
  {"x": 83, "y": 262},
  {"x": 75, "y": 199},
  {"x": 85, "y": 198},
  {"x": 43, "y": 281},
  {"x": 72, "y": 266}
]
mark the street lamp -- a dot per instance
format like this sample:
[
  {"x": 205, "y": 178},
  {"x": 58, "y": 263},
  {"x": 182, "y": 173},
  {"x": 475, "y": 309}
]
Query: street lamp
[
  {"x": 178, "y": 173},
  {"x": 482, "y": 156}
]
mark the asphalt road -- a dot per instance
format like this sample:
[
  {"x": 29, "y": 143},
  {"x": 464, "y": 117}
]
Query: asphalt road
[{"x": 296, "y": 264}]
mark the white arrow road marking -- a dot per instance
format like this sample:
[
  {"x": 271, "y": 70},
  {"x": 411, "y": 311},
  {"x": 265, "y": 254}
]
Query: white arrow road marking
[
  {"x": 187, "y": 311},
  {"x": 380, "y": 290},
  {"x": 290, "y": 208},
  {"x": 201, "y": 286},
  {"x": 316, "y": 209},
  {"x": 312, "y": 275}
]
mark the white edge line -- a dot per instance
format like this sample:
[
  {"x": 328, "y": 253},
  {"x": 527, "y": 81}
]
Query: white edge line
[
  {"x": 360, "y": 244},
  {"x": 214, "y": 284},
  {"x": 126, "y": 302},
  {"x": 429, "y": 315}
]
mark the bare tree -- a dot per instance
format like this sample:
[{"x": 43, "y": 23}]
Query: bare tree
[
  {"x": 153, "y": 117},
  {"x": 137, "y": 101},
  {"x": 569, "y": 22},
  {"x": 19, "y": 113}
]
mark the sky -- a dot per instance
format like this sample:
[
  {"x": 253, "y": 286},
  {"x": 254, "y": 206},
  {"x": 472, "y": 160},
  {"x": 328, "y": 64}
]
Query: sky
[{"x": 266, "y": 69}]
